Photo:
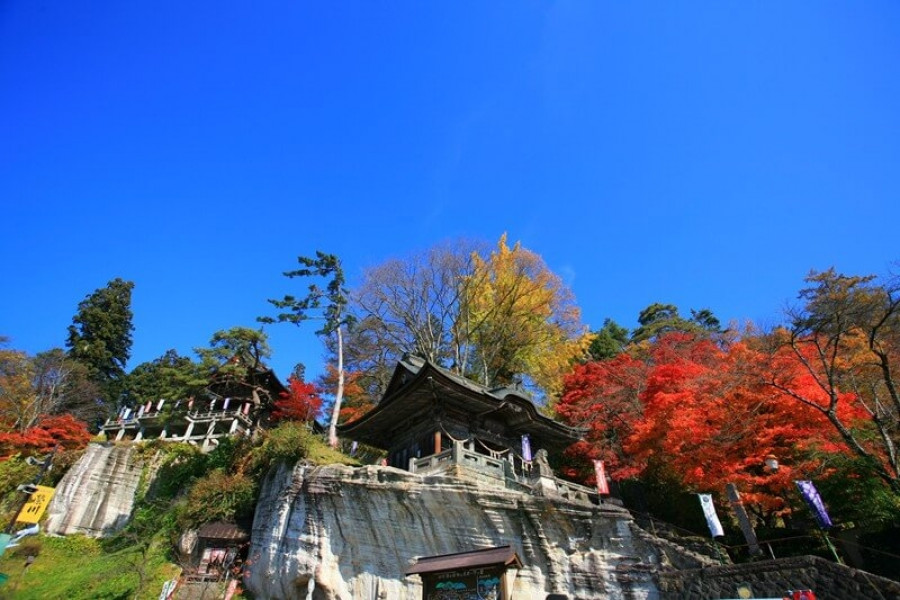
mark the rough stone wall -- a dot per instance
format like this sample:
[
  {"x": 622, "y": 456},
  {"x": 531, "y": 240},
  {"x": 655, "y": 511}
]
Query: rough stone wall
[
  {"x": 338, "y": 533},
  {"x": 96, "y": 496},
  {"x": 772, "y": 578}
]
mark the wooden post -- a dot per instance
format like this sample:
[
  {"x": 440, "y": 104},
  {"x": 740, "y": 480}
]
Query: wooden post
[{"x": 437, "y": 441}]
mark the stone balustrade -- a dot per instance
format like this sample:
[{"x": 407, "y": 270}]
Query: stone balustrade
[{"x": 505, "y": 471}]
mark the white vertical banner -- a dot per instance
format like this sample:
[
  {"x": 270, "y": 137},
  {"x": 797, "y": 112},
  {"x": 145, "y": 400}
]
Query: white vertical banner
[
  {"x": 159, "y": 405},
  {"x": 709, "y": 511}
]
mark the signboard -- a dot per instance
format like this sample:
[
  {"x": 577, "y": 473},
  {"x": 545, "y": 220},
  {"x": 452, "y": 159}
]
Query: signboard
[
  {"x": 481, "y": 583},
  {"x": 36, "y": 505}
]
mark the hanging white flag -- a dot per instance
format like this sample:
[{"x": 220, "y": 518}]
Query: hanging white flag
[{"x": 709, "y": 511}]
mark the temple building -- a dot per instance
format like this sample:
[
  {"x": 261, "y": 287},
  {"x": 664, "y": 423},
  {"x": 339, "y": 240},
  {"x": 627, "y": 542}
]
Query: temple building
[
  {"x": 431, "y": 421},
  {"x": 237, "y": 401}
]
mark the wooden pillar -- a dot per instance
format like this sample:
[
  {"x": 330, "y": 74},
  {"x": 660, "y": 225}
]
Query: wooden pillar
[{"x": 437, "y": 441}]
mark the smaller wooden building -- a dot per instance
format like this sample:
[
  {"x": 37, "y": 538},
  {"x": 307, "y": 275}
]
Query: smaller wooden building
[
  {"x": 236, "y": 402},
  {"x": 488, "y": 574},
  {"x": 220, "y": 547}
]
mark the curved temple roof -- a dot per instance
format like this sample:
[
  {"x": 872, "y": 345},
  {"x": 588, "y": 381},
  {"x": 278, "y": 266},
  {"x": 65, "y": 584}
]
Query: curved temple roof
[{"x": 420, "y": 390}]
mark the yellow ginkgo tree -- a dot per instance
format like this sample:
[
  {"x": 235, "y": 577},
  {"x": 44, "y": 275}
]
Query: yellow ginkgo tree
[{"x": 519, "y": 320}]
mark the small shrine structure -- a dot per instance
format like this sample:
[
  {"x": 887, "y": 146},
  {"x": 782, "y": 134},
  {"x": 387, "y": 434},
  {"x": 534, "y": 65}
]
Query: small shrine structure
[
  {"x": 487, "y": 574},
  {"x": 433, "y": 421},
  {"x": 237, "y": 401}
]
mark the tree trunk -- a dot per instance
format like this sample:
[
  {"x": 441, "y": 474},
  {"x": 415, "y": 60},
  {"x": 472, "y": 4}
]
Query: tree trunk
[{"x": 339, "y": 395}]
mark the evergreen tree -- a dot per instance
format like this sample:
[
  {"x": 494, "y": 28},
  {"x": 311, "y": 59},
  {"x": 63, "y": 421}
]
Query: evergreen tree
[{"x": 100, "y": 335}]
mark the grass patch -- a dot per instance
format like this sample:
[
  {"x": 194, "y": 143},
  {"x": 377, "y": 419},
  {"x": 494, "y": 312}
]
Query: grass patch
[{"x": 77, "y": 567}]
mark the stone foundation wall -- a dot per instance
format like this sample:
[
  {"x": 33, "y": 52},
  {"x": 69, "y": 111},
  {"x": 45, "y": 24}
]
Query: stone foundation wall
[{"x": 772, "y": 578}]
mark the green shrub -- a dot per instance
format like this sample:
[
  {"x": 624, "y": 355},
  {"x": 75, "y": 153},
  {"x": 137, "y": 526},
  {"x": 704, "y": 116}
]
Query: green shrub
[
  {"x": 288, "y": 443},
  {"x": 217, "y": 496}
]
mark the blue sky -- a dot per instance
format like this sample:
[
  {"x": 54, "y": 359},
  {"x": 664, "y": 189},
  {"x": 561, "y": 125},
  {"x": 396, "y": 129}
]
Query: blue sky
[{"x": 706, "y": 155}]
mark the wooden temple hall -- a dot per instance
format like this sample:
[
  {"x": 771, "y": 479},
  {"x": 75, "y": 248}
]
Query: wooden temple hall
[
  {"x": 230, "y": 406},
  {"x": 431, "y": 421}
]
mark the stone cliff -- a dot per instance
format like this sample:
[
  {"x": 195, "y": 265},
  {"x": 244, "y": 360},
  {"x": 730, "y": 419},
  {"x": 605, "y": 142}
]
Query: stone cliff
[
  {"x": 96, "y": 496},
  {"x": 339, "y": 533}
]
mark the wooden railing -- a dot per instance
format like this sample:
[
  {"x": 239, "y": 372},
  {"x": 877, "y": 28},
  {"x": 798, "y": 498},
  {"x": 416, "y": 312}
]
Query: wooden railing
[{"x": 134, "y": 421}]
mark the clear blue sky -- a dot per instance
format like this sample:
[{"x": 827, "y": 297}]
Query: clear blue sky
[{"x": 701, "y": 154}]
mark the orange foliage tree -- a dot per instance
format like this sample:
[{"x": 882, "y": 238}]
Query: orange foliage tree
[
  {"x": 63, "y": 430},
  {"x": 356, "y": 401},
  {"x": 696, "y": 409},
  {"x": 840, "y": 358},
  {"x": 300, "y": 403}
]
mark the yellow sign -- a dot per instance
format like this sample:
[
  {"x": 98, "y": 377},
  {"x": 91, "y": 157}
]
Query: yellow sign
[{"x": 36, "y": 505}]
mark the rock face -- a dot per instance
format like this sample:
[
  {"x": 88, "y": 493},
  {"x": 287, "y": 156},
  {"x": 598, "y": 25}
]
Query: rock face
[
  {"x": 97, "y": 494},
  {"x": 339, "y": 533}
]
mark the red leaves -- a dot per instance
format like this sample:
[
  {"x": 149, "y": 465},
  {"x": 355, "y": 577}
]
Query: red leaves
[
  {"x": 63, "y": 430},
  {"x": 697, "y": 410},
  {"x": 300, "y": 403}
]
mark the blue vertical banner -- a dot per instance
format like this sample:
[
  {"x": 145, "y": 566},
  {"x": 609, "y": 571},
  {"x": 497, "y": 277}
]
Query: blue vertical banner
[
  {"x": 709, "y": 511},
  {"x": 526, "y": 448},
  {"x": 814, "y": 500}
]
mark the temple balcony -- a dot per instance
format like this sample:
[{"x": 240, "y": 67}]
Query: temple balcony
[
  {"x": 202, "y": 428},
  {"x": 507, "y": 471}
]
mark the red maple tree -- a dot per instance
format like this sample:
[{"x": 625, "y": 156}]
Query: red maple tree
[
  {"x": 300, "y": 403},
  {"x": 696, "y": 409},
  {"x": 64, "y": 431}
]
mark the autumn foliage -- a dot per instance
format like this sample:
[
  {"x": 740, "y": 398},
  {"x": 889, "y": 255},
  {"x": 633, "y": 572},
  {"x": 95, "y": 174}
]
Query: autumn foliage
[
  {"x": 63, "y": 430},
  {"x": 356, "y": 401},
  {"x": 300, "y": 403},
  {"x": 698, "y": 410}
]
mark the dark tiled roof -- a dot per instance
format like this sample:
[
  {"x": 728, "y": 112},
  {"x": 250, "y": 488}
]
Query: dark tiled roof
[
  {"x": 220, "y": 530},
  {"x": 500, "y": 556},
  {"x": 417, "y": 386}
]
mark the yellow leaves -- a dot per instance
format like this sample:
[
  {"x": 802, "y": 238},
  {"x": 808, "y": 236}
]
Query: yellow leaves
[
  {"x": 521, "y": 318},
  {"x": 16, "y": 390}
]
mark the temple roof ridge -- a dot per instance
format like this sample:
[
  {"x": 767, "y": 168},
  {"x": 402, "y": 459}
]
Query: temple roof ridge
[{"x": 419, "y": 387}]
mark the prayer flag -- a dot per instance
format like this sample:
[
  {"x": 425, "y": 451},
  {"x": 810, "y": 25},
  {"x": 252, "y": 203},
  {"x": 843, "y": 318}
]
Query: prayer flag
[
  {"x": 526, "y": 448},
  {"x": 140, "y": 412},
  {"x": 225, "y": 405},
  {"x": 814, "y": 500},
  {"x": 709, "y": 511},
  {"x": 600, "y": 472},
  {"x": 353, "y": 448},
  {"x": 159, "y": 405}
]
